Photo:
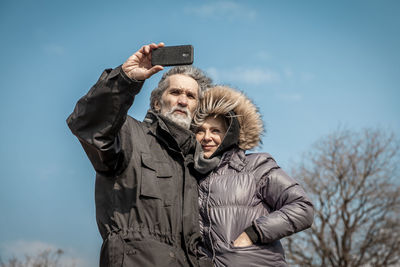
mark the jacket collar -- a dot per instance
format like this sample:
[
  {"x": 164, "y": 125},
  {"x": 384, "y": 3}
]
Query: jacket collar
[{"x": 171, "y": 134}]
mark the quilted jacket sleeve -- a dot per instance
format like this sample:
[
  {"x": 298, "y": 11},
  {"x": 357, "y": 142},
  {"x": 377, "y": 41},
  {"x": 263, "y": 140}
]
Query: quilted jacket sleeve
[
  {"x": 291, "y": 209},
  {"x": 99, "y": 115}
]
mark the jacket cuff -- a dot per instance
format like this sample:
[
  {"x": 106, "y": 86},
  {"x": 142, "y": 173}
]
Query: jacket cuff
[
  {"x": 253, "y": 234},
  {"x": 124, "y": 82},
  {"x": 126, "y": 78}
]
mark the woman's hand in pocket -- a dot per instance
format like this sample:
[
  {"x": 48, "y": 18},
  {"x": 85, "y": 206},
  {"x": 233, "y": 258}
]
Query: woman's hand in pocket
[{"x": 243, "y": 240}]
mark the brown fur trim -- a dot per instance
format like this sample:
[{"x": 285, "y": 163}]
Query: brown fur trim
[{"x": 219, "y": 100}]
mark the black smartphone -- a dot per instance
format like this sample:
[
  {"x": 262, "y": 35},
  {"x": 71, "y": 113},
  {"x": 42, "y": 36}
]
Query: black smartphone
[{"x": 172, "y": 55}]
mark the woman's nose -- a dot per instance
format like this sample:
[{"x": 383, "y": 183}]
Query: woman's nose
[{"x": 207, "y": 135}]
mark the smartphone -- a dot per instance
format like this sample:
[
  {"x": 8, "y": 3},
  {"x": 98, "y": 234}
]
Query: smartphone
[{"x": 172, "y": 55}]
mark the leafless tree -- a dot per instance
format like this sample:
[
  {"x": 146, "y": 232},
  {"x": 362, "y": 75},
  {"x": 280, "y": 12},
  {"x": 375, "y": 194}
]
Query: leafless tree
[
  {"x": 46, "y": 258},
  {"x": 353, "y": 180}
]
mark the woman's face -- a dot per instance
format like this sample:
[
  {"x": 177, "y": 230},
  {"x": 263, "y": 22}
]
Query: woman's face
[{"x": 210, "y": 134}]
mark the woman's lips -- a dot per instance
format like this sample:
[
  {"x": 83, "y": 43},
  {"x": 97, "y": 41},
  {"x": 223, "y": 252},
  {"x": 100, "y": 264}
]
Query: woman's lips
[{"x": 207, "y": 147}]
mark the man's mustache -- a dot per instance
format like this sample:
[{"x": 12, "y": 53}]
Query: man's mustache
[{"x": 183, "y": 109}]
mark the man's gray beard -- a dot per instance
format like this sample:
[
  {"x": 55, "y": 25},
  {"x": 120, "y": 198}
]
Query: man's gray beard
[{"x": 181, "y": 120}]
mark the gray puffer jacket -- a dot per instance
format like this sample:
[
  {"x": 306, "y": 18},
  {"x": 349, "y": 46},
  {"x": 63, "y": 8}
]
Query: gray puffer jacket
[
  {"x": 250, "y": 193},
  {"x": 245, "y": 192}
]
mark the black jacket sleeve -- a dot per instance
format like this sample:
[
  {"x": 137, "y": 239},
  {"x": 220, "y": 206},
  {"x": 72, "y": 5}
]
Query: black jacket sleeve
[{"x": 98, "y": 117}]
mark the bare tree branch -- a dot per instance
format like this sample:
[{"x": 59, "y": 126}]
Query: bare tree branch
[
  {"x": 352, "y": 178},
  {"x": 46, "y": 258}
]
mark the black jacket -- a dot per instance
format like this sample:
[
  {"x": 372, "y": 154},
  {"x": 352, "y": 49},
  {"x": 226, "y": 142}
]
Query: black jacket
[{"x": 146, "y": 194}]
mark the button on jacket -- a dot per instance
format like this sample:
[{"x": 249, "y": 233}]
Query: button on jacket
[{"x": 146, "y": 195}]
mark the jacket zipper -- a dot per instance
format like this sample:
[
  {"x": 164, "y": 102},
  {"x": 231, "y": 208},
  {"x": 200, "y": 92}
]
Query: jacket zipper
[{"x": 209, "y": 218}]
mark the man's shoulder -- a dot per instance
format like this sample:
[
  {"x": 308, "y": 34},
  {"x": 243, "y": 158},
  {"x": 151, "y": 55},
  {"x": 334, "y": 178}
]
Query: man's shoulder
[
  {"x": 132, "y": 129},
  {"x": 132, "y": 123},
  {"x": 135, "y": 136}
]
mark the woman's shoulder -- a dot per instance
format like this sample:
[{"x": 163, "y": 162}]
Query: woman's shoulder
[
  {"x": 259, "y": 157},
  {"x": 260, "y": 160}
]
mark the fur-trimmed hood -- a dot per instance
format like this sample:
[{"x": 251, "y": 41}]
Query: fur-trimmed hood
[{"x": 220, "y": 100}]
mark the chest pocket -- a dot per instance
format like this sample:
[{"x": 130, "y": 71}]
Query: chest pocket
[{"x": 157, "y": 181}]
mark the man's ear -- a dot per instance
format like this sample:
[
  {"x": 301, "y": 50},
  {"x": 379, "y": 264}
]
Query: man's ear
[{"x": 157, "y": 106}]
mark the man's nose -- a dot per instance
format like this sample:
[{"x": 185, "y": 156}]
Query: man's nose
[{"x": 182, "y": 100}]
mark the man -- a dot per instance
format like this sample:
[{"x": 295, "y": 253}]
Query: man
[{"x": 146, "y": 195}]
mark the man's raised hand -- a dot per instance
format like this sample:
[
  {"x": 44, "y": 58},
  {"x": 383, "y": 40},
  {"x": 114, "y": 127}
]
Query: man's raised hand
[{"x": 138, "y": 66}]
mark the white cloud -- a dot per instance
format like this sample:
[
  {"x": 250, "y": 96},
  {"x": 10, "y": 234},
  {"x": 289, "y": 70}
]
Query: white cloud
[
  {"x": 255, "y": 76},
  {"x": 214, "y": 73},
  {"x": 21, "y": 248},
  {"x": 229, "y": 9}
]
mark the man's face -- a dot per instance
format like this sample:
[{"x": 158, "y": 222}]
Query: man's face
[{"x": 180, "y": 99}]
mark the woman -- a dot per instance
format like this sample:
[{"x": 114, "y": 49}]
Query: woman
[{"x": 247, "y": 202}]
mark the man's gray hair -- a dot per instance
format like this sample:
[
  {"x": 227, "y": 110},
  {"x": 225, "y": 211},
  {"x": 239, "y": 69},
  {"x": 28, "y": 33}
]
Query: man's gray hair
[{"x": 198, "y": 75}]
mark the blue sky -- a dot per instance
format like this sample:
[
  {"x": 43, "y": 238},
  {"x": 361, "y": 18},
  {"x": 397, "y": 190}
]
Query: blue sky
[{"x": 310, "y": 66}]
